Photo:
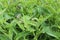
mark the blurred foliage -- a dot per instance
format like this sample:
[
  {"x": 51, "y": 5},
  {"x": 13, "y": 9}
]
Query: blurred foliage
[{"x": 29, "y": 19}]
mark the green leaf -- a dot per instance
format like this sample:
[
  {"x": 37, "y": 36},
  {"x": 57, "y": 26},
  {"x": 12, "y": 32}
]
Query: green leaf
[{"x": 22, "y": 34}]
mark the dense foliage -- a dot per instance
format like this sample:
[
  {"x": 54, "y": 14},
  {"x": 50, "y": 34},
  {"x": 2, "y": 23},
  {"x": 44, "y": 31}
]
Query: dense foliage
[{"x": 29, "y": 19}]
